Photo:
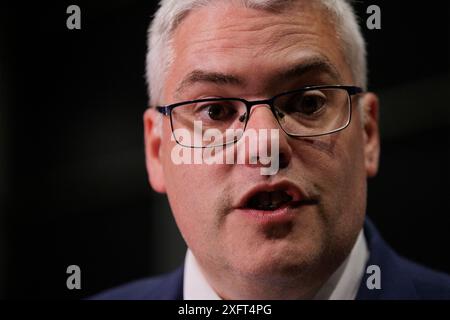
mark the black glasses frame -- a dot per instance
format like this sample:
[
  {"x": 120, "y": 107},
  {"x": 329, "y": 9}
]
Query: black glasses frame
[{"x": 351, "y": 90}]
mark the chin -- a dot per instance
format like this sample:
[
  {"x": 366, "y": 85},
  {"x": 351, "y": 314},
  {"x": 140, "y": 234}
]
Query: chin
[{"x": 280, "y": 258}]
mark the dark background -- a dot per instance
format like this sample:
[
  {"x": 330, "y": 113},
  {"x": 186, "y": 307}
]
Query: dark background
[{"x": 73, "y": 185}]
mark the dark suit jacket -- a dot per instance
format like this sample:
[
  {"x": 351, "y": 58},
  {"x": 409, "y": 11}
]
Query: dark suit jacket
[{"x": 400, "y": 279}]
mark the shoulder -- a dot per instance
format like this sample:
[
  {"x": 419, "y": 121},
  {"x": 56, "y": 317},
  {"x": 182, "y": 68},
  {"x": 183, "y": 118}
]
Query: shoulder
[
  {"x": 429, "y": 284},
  {"x": 400, "y": 278},
  {"x": 168, "y": 286}
]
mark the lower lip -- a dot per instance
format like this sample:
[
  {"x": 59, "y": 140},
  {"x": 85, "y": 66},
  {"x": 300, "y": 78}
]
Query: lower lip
[{"x": 281, "y": 215}]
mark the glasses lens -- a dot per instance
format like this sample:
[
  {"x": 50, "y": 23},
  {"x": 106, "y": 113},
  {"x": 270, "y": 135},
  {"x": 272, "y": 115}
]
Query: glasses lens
[
  {"x": 208, "y": 123},
  {"x": 314, "y": 111}
]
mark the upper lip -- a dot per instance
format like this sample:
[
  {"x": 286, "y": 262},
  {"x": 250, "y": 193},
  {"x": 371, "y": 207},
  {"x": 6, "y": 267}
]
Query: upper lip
[{"x": 290, "y": 188}]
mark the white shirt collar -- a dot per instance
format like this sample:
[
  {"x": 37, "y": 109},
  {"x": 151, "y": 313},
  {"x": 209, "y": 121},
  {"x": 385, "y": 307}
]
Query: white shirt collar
[
  {"x": 195, "y": 286},
  {"x": 342, "y": 285}
]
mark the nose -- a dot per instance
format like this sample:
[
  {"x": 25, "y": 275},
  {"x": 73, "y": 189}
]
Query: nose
[
  {"x": 264, "y": 138},
  {"x": 261, "y": 117}
]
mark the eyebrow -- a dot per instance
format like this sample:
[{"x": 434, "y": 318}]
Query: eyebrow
[
  {"x": 316, "y": 64},
  {"x": 199, "y": 76}
]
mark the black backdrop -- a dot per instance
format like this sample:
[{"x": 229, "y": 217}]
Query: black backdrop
[{"x": 73, "y": 186}]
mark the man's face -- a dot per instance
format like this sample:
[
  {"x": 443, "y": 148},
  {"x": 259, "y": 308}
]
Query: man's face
[{"x": 329, "y": 173}]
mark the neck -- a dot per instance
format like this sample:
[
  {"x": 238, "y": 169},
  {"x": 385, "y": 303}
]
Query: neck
[
  {"x": 296, "y": 285},
  {"x": 241, "y": 288}
]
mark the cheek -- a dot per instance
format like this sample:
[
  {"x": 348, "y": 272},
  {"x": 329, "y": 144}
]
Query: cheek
[
  {"x": 193, "y": 192},
  {"x": 348, "y": 197},
  {"x": 183, "y": 194},
  {"x": 334, "y": 167}
]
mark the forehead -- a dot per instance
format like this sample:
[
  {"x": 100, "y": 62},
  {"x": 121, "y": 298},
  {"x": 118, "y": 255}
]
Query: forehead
[
  {"x": 228, "y": 23},
  {"x": 253, "y": 43}
]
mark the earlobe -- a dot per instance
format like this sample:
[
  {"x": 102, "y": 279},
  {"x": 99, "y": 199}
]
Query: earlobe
[
  {"x": 370, "y": 107},
  {"x": 152, "y": 139}
]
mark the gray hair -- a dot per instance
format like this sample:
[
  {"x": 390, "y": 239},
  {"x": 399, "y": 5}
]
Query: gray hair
[{"x": 160, "y": 53}]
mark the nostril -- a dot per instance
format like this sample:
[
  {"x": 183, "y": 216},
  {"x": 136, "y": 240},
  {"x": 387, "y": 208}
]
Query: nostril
[{"x": 283, "y": 160}]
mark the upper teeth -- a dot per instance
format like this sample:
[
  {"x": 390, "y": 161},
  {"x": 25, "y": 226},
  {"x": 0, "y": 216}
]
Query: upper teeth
[{"x": 270, "y": 200}]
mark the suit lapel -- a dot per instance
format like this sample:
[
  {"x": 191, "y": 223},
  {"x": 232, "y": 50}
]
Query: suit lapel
[{"x": 396, "y": 283}]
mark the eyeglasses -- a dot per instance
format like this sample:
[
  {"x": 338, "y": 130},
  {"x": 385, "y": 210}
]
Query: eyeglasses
[{"x": 307, "y": 112}]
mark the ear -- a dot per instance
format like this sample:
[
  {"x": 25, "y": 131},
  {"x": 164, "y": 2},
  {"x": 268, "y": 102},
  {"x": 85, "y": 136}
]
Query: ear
[
  {"x": 152, "y": 139},
  {"x": 370, "y": 106}
]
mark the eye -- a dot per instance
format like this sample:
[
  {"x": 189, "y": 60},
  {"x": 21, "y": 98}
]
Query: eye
[
  {"x": 218, "y": 111},
  {"x": 308, "y": 103}
]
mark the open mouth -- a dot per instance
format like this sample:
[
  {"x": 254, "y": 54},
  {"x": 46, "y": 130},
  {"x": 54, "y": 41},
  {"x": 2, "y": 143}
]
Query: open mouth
[
  {"x": 273, "y": 197},
  {"x": 269, "y": 200}
]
